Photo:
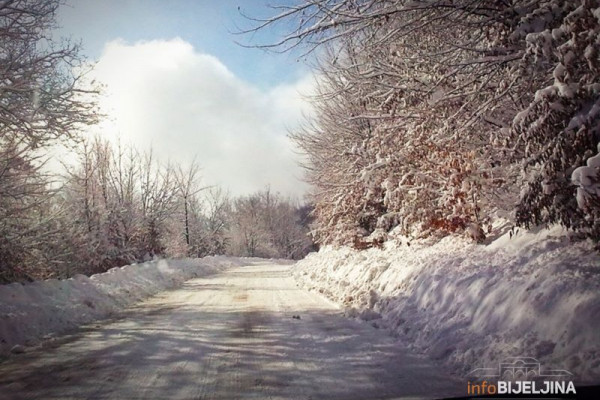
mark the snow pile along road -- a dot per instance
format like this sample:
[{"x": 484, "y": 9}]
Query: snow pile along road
[
  {"x": 33, "y": 311},
  {"x": 471, "y": 306}
]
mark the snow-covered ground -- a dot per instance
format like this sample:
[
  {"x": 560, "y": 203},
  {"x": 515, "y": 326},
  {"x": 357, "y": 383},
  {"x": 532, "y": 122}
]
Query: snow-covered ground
[
  {"x": 244, "y": 333},
  {"x": 33, "y": 311},
  {"x": 535, "y": 294}
]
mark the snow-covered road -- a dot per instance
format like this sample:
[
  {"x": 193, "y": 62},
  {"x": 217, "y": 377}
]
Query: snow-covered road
[{"x": 227, "y": 336}]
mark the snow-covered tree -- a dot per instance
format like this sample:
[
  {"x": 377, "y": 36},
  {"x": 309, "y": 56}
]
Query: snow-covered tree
[
  {"x": 211, "y": 218},
  {"x": 427, "y": 111},
  {"x": 43, "y": 95},
  {"x": 121, "y": 206},
  {"x": 559, "y": 129},
  {"x": 43, "y": 100},
  {"x": 249, "y": 235},
  {"x": 265, "y": 224}
]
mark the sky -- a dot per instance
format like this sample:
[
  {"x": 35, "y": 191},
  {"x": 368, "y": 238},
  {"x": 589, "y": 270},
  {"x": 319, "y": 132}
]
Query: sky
[{"x": 176, "y": 80}]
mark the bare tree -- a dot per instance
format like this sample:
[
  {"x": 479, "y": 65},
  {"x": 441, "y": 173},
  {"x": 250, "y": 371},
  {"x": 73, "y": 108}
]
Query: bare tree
[
  {"x": 249, "y": 236},
  {"x": 265, "y": 224},
  {"x": 122, "y": 205},
  {"x": 23, "y": 195},
  {"x": 215, "y": 220},
  {"x": 43, "y": 99},
  {"x": 158, "y": 190},
  {"x": 42, "y": 88},
  {"x": 188, "y": 187}
]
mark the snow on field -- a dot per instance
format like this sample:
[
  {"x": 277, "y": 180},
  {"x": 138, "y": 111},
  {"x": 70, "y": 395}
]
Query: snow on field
[
  {"x": 535, "y": 294},
  {"x": 33, "y": 311}
]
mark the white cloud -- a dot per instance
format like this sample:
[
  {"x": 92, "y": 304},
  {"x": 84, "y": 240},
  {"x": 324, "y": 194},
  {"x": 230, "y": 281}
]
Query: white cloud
[{"x": 186, "y": 104}]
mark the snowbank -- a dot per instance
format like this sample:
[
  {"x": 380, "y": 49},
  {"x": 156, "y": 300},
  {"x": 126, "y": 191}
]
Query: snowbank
[
  {"x": 471, "y": 306},
  {"x": 30, "y": 312}
]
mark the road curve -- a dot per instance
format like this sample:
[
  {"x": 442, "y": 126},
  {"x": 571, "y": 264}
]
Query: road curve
[{"x": 228, "y": 336}]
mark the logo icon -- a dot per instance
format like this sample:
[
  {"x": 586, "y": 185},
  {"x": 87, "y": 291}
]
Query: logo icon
[{"x": 520, "y": 368}]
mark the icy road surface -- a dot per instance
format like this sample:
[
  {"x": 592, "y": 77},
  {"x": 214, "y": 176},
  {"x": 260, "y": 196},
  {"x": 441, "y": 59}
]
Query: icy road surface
[{"x": 228, "y": 336}]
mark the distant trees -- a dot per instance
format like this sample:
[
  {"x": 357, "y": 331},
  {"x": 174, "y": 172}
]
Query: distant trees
[
  {"x": 266, "y": 225},
  {"x": 211, "y": 215},
  {"x": 431, "y": 116},
  {"x": 117, "y": 205}
]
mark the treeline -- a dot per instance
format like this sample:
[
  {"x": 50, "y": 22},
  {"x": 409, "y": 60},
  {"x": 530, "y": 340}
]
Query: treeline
[
  {"x": 434, "y": 116},
  {"x": 125, "y": 206},
  {"x": 115, "y": 205}
]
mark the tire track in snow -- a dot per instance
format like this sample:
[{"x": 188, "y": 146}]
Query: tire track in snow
[{"x": 227, "y": 336}]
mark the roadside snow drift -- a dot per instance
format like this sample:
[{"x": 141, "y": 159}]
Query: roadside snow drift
[
  {"x": 33, "y": 311},
  {"x": 471, "y": 306}
]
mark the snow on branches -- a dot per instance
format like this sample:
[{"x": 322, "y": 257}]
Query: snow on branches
[
  {"x": 560, "y": 127},
  {"x": 428, "y": 110}
]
